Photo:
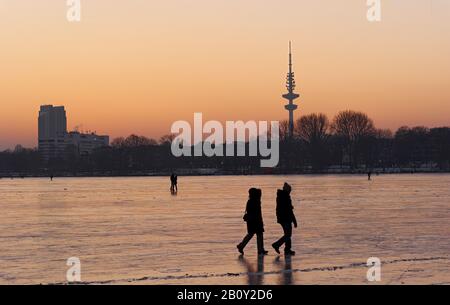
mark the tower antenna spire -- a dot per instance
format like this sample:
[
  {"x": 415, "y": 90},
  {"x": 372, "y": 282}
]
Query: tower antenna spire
[{"x": 290, "y": 56}]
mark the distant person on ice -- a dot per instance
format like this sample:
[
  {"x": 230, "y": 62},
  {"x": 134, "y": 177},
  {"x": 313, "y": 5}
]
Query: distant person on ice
[
  {"x": 173, "y": 183},
  {"x": 255, "y": 224},
  {"x": 285, "y": 217}
]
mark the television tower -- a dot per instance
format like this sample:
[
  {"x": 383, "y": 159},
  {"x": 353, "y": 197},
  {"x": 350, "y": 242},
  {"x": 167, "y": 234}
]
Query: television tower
[{"x": 291, "y": 95}]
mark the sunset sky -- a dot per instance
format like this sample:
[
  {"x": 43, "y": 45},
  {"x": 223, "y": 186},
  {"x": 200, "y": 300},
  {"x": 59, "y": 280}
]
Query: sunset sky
[{"x": 136, "y": 66}]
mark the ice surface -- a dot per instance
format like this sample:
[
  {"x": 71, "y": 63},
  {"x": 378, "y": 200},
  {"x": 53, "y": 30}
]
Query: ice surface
[{"x": 132, "y": 230}]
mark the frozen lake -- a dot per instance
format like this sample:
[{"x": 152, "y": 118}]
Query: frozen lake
[{"x": 132, "y": 230}]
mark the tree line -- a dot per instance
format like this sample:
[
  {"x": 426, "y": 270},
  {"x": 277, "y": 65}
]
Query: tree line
[
  {"x": 348, "y": 142},
  {"x": 351, "y": 140}
]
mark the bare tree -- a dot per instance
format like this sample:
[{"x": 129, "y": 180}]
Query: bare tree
[
  {"x": 284, "y": 130},
  {"x": 166, "y": 139},
  {"x": 354, "y": 127},
  {"x": 313, "y": 128},
  {"x": 136, "y": 141},
  {"x": 411, "y": 145},
  {"x": 384, "y": 134},
  {"x": 118, "y": 142}
]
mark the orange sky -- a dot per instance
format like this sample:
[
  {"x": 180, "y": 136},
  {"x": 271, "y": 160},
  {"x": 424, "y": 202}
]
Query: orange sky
[{"x": 136, "y": 66}]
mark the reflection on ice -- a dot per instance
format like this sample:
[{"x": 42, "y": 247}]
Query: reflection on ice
[
  {"x": 255, "y": 271},
  {"x": 286, "y": 274}
]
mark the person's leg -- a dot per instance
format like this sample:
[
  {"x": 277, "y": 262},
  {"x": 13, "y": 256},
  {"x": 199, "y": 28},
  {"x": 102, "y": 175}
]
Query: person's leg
[
  {"x": 260, "y": 242},
  {"x": 276, "y": 245},
  {"x": 245, "y": 241},
  {"x": 279, "y": 242},
  {"x": 287, "y": 237},
  {"x": 282, "y": 240}
]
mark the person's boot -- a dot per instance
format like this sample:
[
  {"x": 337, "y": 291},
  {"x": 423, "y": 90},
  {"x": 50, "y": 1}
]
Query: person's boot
[
  {"x": 240, "y": 249},
  {"x": 263, "y": 252},
  {"x": 276, "y": 248},
  {"x": 289, "y": 252}
]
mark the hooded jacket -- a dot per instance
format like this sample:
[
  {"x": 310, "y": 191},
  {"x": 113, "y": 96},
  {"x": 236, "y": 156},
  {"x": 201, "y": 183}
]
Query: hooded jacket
[
  {"x": 254, "y": 217},
  {"x": 285, "y": 210}
]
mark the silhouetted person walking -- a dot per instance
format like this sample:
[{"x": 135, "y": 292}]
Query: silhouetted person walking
[
  {"x": 369, "y": 176},
  {"x": 173, "y": 183},
  {"x": 172, "y": 179},
  {"x": 285, "y": 217},
  {"x": 255, "y": 225}
]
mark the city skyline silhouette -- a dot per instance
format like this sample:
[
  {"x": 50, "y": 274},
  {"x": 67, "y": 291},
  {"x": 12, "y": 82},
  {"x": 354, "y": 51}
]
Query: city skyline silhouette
[{"x": 120, "y": 75}]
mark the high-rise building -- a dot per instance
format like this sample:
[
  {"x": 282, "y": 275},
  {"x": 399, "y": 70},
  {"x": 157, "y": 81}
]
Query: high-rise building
[
  {"x": 291, "y": 95},
  {"x": 55, "y": 142},
  {"x": 52, "y": 122},
  {"x": 52, "y": 131}
]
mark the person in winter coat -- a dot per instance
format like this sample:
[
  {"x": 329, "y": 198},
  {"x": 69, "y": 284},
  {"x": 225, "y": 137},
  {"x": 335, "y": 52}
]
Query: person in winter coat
[
  {"x": 285, "y": 217},
  {"x": 254, "y": 219}
]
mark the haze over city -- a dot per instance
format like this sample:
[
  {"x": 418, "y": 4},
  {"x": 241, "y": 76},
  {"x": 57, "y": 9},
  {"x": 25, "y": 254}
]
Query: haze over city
[{"x": 137, "y": 66}]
